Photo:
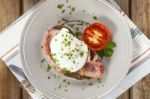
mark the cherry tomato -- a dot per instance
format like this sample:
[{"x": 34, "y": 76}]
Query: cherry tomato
[{"x": 96, "y": 36}]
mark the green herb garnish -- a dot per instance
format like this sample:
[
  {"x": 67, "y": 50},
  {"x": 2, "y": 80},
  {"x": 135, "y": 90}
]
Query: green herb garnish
[
  {"x": 68, "y": 83},
  {"x": 65, "y": 90},
  {"x": 68, "y": 43},
  {"x": 64, "y": 80},
  {"x": 108, "y": 50},
  {"x": 67, "y": 1},
  {"x": 48, "y": 68},
  {"x": 63, "y": 11},
  {"x": 73, "y": 9},
  {"x": 90, "y": 84},
  {"x": 81, "y": 54},
  {"x": 66, "y": 71},
  {"x": 74, "y": 62},
  {"x": 49, "y": 77},
  {"x": 94, "y": 17},
  {"x": 60, "y": 6},
  {"x": 69, "y": 6},
  {"x": 42, "y": 60},
  {"x": 55, "y": 39},
  {"x": 84, "y": 11}
]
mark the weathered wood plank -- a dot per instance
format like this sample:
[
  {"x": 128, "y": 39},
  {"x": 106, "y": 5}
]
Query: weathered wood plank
[
  {"x": 124, "y": 4},
  {"x": 9, "y": 86},
  {"x": 140, "y": 10},
  {"x": 9, "y": 11},
  {"x": 25, "y": 94},
  {"x": 9, "y": 89},
  {"x": 141, "y": 15},
  {"x": 27, "y": 4}
]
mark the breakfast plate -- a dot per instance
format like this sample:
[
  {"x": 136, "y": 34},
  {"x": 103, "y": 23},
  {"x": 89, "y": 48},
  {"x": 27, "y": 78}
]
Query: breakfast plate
[{"x": 70, "y": 16}]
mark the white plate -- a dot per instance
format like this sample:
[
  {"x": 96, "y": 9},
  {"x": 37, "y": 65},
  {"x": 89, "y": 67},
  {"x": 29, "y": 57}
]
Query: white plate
[{"x": 46, "y": 16}]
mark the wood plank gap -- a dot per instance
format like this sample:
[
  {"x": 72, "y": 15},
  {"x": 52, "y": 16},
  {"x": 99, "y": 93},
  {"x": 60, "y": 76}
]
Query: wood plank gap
[
  {"x": 130, "y": 8},
  {"x": 21, "y": 7}
]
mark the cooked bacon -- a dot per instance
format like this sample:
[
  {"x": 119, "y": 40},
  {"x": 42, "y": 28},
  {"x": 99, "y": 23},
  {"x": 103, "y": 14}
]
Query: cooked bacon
[{"x": 93, "y": 70}]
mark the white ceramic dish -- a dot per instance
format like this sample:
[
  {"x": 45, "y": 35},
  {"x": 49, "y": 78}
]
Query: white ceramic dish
[{"x": 46, "y": 16}]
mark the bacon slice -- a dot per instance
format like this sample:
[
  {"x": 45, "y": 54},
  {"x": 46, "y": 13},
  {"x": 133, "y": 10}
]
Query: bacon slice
[{"x": 93, "y": 70}]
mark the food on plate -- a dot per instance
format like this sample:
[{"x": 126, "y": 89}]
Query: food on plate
[
  {"x": 78, "y": 58},
  {"x": 96, "y": 36}
]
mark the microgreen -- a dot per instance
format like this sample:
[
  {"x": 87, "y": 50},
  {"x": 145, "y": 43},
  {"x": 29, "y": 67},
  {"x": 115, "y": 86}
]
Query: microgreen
[{"x": 108, "y": 50}]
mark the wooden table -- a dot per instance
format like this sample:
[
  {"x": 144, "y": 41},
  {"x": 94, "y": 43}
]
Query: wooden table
[{"x": 10, "y": 10}]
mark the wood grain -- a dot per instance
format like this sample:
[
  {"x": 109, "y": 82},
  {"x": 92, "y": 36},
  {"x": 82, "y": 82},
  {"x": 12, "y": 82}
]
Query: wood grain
[
  {"x": 140, "y": 10},
  {"x": 27, "y": 4},
  {"x": 9, "y": 86},
  {"x": 9, "y": 11},
  {"x": 124, "y": 4},
  {"x": 25, "y": 94},
  {"x": 9, "y": 89}
]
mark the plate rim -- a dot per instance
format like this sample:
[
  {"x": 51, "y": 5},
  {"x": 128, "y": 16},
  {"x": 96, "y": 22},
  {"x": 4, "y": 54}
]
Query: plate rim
[{"x": 38, "y": 87}]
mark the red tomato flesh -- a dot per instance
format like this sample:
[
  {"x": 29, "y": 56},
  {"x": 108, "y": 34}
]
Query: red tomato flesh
[{"x": 96, "y": 36}]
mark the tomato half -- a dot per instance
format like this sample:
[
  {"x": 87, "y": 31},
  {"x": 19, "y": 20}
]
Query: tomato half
[{"x": 96, "y": 36}]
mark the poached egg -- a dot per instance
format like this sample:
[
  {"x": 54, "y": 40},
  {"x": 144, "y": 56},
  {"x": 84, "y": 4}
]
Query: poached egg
[{"x": 68, "y": 52}]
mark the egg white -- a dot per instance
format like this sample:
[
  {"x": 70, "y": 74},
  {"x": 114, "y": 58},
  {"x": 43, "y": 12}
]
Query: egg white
[{"x": 68, "y": 52}]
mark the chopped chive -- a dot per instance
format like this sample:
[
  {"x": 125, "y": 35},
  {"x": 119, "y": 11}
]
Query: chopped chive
[
  {"x": 70, "y": 12},
  {"x": 81, "y": 54},
  {"x": 66, "y": 20},
  {"x": 74, "y": 61},
  {"x": 48, "y": 68},
  {"x": 67, "y": 1},
  {"x": 63, "y": 11},
  {"x": 68, "y": 43},
  {"x": 94, "y": 17},
  {"x": 66, "y": 71},
  {"x": 55, "y": 39},
  {"x": 42, "y": 60},
  {"x": 77, "y": 34},
  {"x": 64, "y": 80},
  {"x": 69, "y": 6},
  {"x": 68, "y": 83},
  {"x": 83, "y": 11},
  {"x": 60, "y": 6},
  {"x": 73, "y": 9},
  {"x": 65, "y": 90},
  {"x": 65, "y": 39},
  {"x": 98, "y": 79},
  {"x": 90, "y": 84},
  {"x": 49, "y": 77}
]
